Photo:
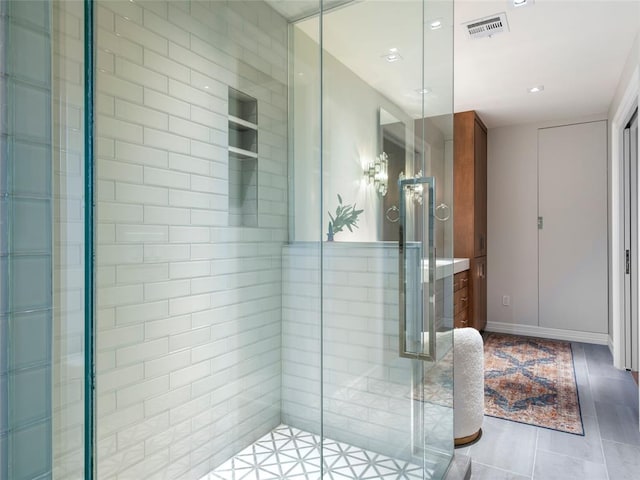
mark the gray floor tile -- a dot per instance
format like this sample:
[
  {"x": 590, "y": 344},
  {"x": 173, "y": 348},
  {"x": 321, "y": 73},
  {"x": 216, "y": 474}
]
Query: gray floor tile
[
  {"x": 600, "y": 362},
  {"x": 552, "y": 466},
  {"x": 485, "y": 472},
  {"x": 618, "y": 423},
  {"x": 582, "y": 374},
  {"x": 623, "y": 461},
  {"x": 587, "y": 404},
  {"x": 614, "y": 391},
  {"x": 585, "y": 448},
  {"x": 497, "y": 446}
]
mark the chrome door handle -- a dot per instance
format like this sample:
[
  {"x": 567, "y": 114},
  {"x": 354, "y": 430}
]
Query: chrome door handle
[{"x": 413, "y": 343}]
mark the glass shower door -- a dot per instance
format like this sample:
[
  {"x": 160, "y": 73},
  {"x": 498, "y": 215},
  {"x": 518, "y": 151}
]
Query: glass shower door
[{"x": 374, "y": 160}]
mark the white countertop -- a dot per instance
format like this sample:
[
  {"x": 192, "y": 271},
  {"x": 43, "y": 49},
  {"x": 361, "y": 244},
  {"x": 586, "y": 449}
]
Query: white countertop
[{"x": 446, "y": 267}]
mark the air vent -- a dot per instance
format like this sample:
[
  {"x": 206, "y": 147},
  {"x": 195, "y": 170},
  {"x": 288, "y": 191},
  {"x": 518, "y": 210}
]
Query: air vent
[{"x": 488, "y": 26}]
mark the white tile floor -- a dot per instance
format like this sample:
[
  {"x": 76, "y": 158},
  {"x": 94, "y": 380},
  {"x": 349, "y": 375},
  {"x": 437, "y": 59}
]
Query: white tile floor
[{"x": 292, "y": 454}]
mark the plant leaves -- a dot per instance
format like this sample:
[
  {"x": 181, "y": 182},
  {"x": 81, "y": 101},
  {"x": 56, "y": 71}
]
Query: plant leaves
[{"x": 345, "y": 216}]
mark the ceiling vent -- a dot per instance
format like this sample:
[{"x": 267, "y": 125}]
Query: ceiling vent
[{"x": 488, "y": 26}]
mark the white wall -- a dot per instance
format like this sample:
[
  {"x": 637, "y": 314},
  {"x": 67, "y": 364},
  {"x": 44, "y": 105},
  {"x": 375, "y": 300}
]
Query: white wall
[
  {"x": 350, "y": 115},
  {"x": 512, "y": 228}
]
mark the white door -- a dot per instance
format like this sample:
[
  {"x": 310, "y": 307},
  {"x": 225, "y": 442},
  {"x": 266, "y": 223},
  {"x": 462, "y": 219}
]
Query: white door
[{"x": 572, "y": 204}]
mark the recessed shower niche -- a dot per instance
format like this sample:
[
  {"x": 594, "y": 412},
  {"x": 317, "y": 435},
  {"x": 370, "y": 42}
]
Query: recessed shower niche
[{"x": 243, "y": 159}]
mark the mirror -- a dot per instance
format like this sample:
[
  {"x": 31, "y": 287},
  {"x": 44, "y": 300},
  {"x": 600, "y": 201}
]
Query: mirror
[{"x": 392, "y": 141}]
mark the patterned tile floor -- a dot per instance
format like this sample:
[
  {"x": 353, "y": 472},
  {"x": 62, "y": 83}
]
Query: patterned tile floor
[{"x": 292, "y": 454}]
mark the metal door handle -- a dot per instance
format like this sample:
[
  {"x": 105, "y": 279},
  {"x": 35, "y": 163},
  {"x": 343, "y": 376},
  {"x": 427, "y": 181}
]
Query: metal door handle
[{"x": 412, "y": 343}]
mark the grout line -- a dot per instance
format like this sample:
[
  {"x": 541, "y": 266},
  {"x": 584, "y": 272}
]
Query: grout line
[
  {"x": 493, "y": 467},
  {"x": 535, "y": 454},
  {"x": 595, "y": 415}
]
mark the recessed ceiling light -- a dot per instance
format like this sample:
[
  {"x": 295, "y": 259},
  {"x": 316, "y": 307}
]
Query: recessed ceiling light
[
  {"x": 423, "y": 91},
  {"x": 536, "y": 89},
  {"x": 393, "y": 55},
  {"x": 523, "y": 3},
  {"x": 206, "y": 87},
  {"x": 436, "y": 24}
]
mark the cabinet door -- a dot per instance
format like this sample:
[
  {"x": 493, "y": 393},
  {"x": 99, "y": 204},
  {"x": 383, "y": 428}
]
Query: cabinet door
[
  {"x": 464, "y": 185},
  {"x": 480, "y": 187},
  {"x": 572, "y": 244},
  {"x": 478, "y": 293}
]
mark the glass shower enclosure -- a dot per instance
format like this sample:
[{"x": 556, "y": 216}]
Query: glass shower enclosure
[{"x": 231, "y": 218}]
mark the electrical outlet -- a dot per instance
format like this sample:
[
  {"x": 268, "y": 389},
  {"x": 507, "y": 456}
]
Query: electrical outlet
[{"x": 506, "y": 300}]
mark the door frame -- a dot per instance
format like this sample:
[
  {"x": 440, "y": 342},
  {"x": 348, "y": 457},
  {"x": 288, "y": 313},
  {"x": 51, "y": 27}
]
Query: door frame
[
  {"x": 630, "y": 226},
  {"x": 628, "y": 105}
]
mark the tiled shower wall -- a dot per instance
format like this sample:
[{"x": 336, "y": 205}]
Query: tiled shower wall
[
  {"x": 367, "y": 396},
  {"x": 25, "y": 240},
  {"x": 189, "y": 318}
]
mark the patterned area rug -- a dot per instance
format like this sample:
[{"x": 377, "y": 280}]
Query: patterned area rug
[{"x": 531, "y": 380}]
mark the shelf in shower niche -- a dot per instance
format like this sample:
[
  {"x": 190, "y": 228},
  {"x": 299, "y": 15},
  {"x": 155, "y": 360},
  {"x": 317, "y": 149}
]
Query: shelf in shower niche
[
  {"x": 243, "y": 135},
  {"x": 243, "y": 159},
  {"x": 242, "y": 154},
  {"x": 238, "y": 123}
]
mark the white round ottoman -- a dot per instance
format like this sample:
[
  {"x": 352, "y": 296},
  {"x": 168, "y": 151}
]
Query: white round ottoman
[{"x": 468, "y": 385}]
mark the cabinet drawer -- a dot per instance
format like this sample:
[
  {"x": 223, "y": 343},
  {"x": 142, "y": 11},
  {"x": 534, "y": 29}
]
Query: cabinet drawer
[
  {"x": 460, "y": 300},
  {"x": 461, "y": 319},
  {"x": 460, "y": 280}
]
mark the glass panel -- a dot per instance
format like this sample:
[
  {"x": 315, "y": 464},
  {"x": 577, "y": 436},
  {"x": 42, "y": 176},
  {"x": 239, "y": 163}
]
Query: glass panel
[
  {"x": 69, "y": 224},
  {"x": 25, "y": 298},
  {"x": 386, "y": 107},
  {"x": 191, "y": 153},
  {"x": 435, "y": 148},
  {"x": 41, "y": 240}
]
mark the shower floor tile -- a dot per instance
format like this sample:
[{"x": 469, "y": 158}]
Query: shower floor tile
[{"x": 292, "y": 454}]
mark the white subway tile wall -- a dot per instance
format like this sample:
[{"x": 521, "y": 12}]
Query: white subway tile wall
[
  {"x": 367, "y": 395},
  {"x": 189, "y": 307}
]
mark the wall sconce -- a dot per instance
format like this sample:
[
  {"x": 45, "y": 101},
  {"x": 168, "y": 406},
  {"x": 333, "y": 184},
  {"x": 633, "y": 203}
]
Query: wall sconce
[
  {"x": 378, "y": 173},
  {"x": 413, "y": 191}
]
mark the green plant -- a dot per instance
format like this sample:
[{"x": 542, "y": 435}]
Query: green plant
[{"x": 346, "y": 216}]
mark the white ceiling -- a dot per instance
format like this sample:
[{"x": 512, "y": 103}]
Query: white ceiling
[{"x": 575, "y": 48}]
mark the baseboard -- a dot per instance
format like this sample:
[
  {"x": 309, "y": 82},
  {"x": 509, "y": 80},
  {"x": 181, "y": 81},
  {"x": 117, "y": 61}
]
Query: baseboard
[
  {"x": 610, "y": 345},
  {"x": 544, "y": 332}
]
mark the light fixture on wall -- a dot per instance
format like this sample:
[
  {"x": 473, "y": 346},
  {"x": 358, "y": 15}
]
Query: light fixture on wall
[
  {"x": 377, "y": 173},
  {"x": 536, "y": 89},
  {"x": 523, "y": 3},
  {"x": 414, "y": 191}
]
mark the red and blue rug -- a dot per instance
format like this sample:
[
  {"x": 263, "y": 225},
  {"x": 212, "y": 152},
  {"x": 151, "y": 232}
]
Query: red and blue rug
[{"x": 531, "y": 380}]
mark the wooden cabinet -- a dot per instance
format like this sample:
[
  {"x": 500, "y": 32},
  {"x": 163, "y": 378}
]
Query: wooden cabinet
[
  {"x": 461, "y": 299},
  {"x": 470, "y": 208},
  {"x": 478, "y": 293}
]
